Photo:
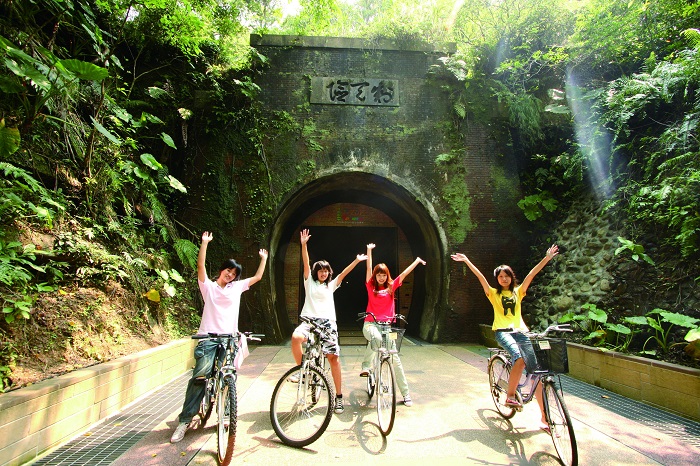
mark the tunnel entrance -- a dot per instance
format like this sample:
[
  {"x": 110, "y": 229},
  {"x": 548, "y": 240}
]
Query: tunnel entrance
[{"x": 345, "y": 211}]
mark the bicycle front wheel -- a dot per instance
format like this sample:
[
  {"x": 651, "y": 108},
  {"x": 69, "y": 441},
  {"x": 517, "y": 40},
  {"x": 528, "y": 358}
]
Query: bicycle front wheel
[
  {"x": 205, "y": 407},
  {"x": 560, "y": 425},
  {"x": 386, "y": 397},
  {"x": 370, "y": 383},
  {"x": 226, "y": 410},
  {"x": 499, "y": 374},
  {"x": 300, "y": 411}
]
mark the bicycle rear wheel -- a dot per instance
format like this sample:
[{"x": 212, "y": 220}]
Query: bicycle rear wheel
[
  {"x": 499, "y": 374},
  {"x": 386, "y": 397},
  {"x": 301, "y": 411},
  {"x": 226, "y": 410},
  {"x": 560, "y": 425}
]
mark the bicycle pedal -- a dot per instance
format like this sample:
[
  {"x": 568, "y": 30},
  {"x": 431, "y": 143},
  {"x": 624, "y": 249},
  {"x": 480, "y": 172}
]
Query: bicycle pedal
[{"x": 195, "y": 424}]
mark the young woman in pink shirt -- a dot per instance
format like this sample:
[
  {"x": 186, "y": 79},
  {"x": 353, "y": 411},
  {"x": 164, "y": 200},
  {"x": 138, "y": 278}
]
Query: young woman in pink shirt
[{"x": 381, "y": 290}]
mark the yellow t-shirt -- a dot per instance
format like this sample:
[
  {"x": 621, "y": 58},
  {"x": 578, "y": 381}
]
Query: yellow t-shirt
[{"x": 506, "y": 309}]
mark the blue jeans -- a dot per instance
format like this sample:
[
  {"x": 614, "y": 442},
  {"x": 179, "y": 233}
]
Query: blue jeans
[
  {"x": 204, "y": 355},
  {"x": 509, "y": 341}
]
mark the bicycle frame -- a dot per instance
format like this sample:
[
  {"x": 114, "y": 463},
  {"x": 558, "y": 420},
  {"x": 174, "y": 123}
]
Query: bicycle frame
[
  {"x": 531, "y": 381},
  {"x": 555, "y": 411},
  {"x": 381, "y": 377},
  {"x": 220, "y": 390}
]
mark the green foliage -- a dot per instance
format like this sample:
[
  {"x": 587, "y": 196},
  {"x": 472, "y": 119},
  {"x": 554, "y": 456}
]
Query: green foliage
[
  {"x": 19, "y": 270},
  {"x": 615, "y": 38},
  {"x": 662, "y": 322},
  {"x": 636, "y": 250},
  {"x": 164, "y": 281},
  {"x": 619, "y": 336},
  {"x": 534, "y": 205},
  {"x": 455, "y": 193},
  {"x": 662, "y": 195},
  {"x": 592, "y": 322},
  {"x": 9, "y": 140},
  {"x": 24, "y": 197},
  {"x": 187, "y": 252}
]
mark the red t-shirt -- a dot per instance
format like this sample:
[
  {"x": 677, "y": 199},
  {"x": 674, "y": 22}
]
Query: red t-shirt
[{"x": 381, "y": 303}]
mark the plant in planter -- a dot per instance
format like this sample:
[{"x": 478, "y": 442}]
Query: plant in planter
[
  {"x": 663, "y": 322},
  {"x": 658, "y": 324}
]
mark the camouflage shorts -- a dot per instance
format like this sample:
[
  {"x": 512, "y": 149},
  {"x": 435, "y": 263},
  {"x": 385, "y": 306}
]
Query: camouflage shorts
[{"x": 329, "y": 333}]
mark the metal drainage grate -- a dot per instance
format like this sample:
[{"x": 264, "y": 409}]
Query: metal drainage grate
[
  {"x": 115, "y": 435},
  {"x": 686, "y": 430}
]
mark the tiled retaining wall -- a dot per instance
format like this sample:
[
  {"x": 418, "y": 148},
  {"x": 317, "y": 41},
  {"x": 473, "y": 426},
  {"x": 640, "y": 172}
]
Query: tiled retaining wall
[
  {"x": 36, "y": 418},
  {"x": 669, "y": 386}
]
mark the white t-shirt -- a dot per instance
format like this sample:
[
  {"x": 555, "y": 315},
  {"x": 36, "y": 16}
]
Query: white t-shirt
[
  {"x": 221, "y": 306},
  {"x": 319, "y": 299}
]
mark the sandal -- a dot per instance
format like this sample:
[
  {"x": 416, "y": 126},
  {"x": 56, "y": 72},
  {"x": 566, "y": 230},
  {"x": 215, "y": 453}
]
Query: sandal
[
  {"x": 545, "y": 428},
  {"x": 511, "y": 403}
]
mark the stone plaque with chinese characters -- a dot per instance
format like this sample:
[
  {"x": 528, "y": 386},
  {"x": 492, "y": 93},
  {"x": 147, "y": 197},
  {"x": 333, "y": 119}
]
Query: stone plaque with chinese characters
[{"x": 355, "y": 91}]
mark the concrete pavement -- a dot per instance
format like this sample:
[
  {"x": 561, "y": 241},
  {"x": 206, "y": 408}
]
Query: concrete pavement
[{"x": 452, "y": 421}]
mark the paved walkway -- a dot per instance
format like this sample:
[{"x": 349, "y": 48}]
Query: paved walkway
[{"x": 452, "y": 421}]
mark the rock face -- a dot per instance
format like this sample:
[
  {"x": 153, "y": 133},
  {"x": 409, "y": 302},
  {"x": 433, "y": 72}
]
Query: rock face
[{"x": 588, "y": 270}]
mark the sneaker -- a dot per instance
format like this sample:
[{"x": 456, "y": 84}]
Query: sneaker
[
  {"x": 294, "y": 378},
  {"x": 339, "y": 408},
  {"x": 364, "y": 373},
  {"x": 407, "y": 401},
  {"x": 179, "y": 433}
]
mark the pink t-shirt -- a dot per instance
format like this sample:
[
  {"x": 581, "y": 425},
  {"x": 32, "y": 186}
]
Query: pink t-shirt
[
  {"x": 381, "y": 303},
  {"x": 221, "y": 306}
]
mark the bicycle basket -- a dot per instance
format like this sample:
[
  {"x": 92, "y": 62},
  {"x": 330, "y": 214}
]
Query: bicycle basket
[
  {"x": 550, "y": 355},
  {"x": 396, "y": 336}
]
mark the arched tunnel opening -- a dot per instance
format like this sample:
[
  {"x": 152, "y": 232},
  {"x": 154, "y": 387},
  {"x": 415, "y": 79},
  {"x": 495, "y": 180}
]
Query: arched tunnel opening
[{"x": 344, "y": 212}]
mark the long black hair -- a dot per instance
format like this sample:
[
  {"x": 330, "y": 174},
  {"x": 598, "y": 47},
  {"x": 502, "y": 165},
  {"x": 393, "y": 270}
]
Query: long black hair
[{"x": 509, "y": 272}]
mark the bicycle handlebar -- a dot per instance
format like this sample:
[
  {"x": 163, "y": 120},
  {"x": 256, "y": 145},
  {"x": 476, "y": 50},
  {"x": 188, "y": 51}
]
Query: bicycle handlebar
[
  {"x": 362, "y": 315},
  {"x": 553, "y": 328},
  {"x": 248, "y": 335}
]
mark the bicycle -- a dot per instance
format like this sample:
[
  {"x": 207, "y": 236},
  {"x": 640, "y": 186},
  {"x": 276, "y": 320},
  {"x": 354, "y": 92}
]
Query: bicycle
[
  {"x": 220, "y": 391},
  {"x": 544, "y": 361},
  {"x": 381, "y": 375},
  {"x": 302, "y": 402}
]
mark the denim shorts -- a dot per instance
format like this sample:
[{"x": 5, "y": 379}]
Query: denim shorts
[{"x": 509, "y": 341}]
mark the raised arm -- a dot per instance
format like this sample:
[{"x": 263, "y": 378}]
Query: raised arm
[
  {"x": 410, "y": 268},
  {"x": 202, "y": 256},
  {"x": 346, "y": 270},
  {"x": 304, "y": 238},
  {"x": 368, "y": 275},
  {"x": 459, "y": 257},
  {"x": 261, "y": 268},
  {"x": 551, "y": 252}
]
